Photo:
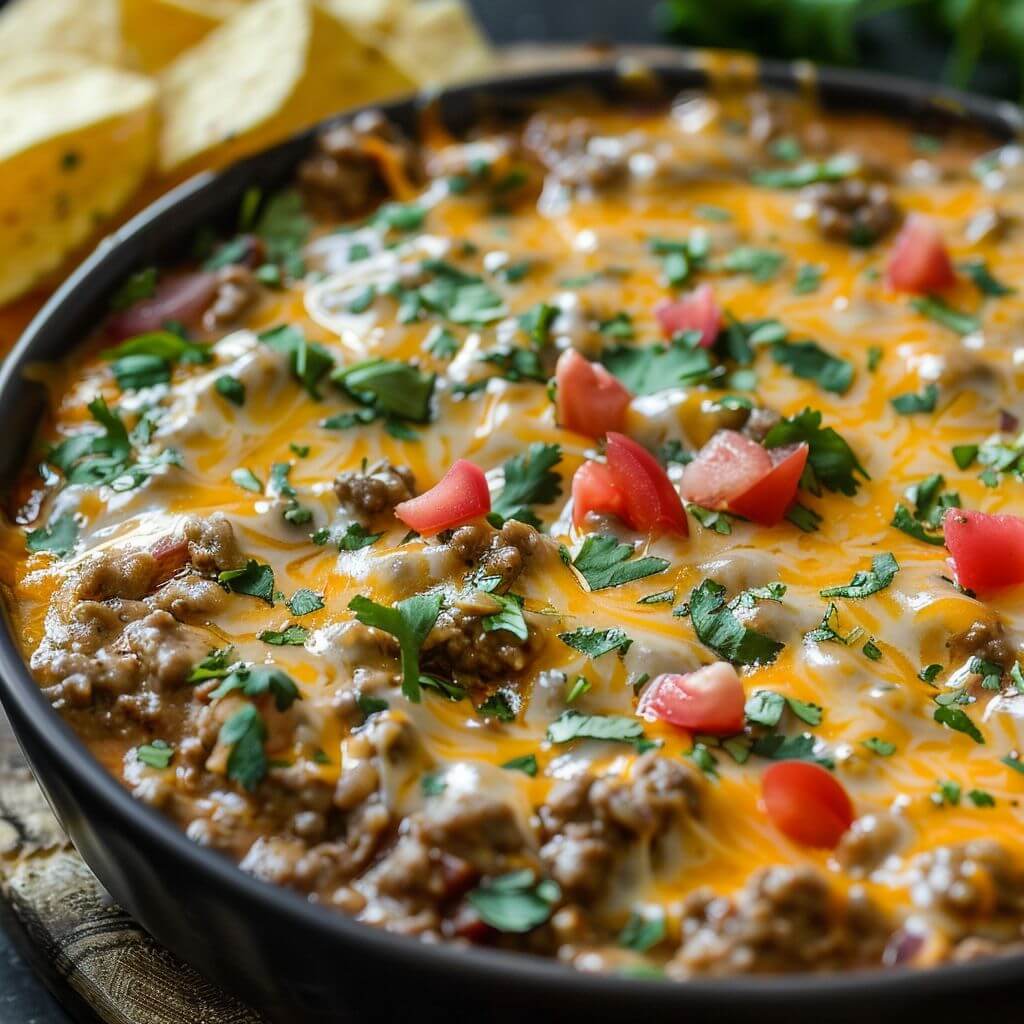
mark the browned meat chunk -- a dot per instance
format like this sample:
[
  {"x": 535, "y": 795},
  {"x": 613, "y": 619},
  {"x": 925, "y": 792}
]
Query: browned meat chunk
[
  {"x": 759, "y": 422},
  {"x": 237, "y": 291},
  {"x": 869, "y": 842},
  {"x": 503, "y": 552},
  {"x": 345, "y": 174},
  {"x": 983, "y": 639},
  {"x": 854, "y": 210},
  {"x": 463, "y": 648},
  {"x": 783, "y": 919},
  {"x": 374, "y": 489},
  {"x": 569, "y": 151},
  {"x": 976, "y": 885},
  {"x": 589, "y": 824}
]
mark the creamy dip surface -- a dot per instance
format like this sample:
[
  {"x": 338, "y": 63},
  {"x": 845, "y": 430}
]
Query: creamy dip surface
[{"x": 581, "y": 538}]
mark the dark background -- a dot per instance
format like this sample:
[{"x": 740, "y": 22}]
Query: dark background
[{"x": 895, "y": 43}]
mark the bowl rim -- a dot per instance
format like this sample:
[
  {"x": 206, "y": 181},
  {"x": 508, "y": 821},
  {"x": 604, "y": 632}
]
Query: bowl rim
[{"x": 30, "y": 710}]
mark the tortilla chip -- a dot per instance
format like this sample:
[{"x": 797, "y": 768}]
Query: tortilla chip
[
  {"x": 373, "y": 18},
  {"x": 157, "y": 31},
  {"x": 87, "y": 27},
  {"x": 438, "y": 42},
  {"x": 271, "y": 69},
  {"x": 73, "y": 149}
]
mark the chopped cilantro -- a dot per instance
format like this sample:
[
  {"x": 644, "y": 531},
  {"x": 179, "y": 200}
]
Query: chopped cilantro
[
  {"x": 580, "y": 687},
  {"x": 515, "y": 903},
  {"x": 648, "y": 369},
  {"x": 256, "y": 680},
  {"x": 304, "y": 602},
  {"x": 141, "y": 285},
  {"x": 913, "y": 402},
  {"x": 216, "y": 665},
  {"x": 389, "y": 387},
  {"x": 157, "y": 754},
  {"x": 642, "y": 931},
  {"x": 433, "y": 784},
  {"x": 247, "y": 480},
  {"x": 441, "y": 343},
  {"x": 356, "y": 537},
  {"x": 604, "y": 562},
  {"x": 761, "y": 264},
  {"x": 946, "y": 792},
  {"x": 255, "y": 580},
  {"x": 284, "y": 227},
  {"x": 59, "y": 536},
  {"x": 309, "y": 361},
  {"x": 831, "y": 462},
  {"x": 875, "y": 354},
  {"x": 957, "y": 719},
  {"x": 527, "y": 764},
  {"x": 244, "y": 732},
  {"x": 536, "y": 322},
  {"x": 981, "y": 276},
  {"x": 808, "y": 279},
  {"x": 231, "y": 388},
  {"x": 964, "y": 455},
  {"x": 290, "y": 636},
  {"x": 866, "y": 582},
  {"x": 883, "y": 748},
  {"x": 941, "y": 312},
  {"x": 711, "y": 519},
  {"x": 834, "y": 168},
  {"x": 529, "y": 480},
  {"x": 595, "y": 642},
  {"x": 808, "y": 360},
  {"x": 409, "y": 622},
  {"x": 573, "y": 725},
  {"x": 509, "y": 617},
  {"x": 717, "y": 627}
]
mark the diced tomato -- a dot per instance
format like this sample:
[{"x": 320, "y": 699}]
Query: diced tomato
[
  {"x": 766, "y": 501},
  {"x": 652, "y": 502},
  {"x": 709, "y": 700},
  {"x": 735, "y": 473},
  {"x": 459, "y": 496},
  {"x": 987, "y": 550},
  {"x": 919, "y": 261},
  {"x": 806, "y": 803},
  {"x": 697, "y": 311},
  {"x": 594, "y": 490},
  {"x": 728, "y": 465},
  {"x": 182, "y": 298},
  {"x": 588, "y": 398}
]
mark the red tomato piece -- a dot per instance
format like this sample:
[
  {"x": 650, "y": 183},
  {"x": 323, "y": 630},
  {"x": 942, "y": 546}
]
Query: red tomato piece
[
  {"x": 697, "y": 311},
  {"x": 588, "y": 399},
  {"x": 594, "y": 490},
  {"x": 987, "y": 550},
  {"x": 806, "y": 803},
  {"x": 709, "y": 700},
  {"x": 766, "y": 501},
  {"x": 182, "y": 298},
  {"x": 459, "y": 496},
  {"x": 728, "y": 465},
  {"x": 652, "y": 502},
  {"x": 919, "y": 261}
]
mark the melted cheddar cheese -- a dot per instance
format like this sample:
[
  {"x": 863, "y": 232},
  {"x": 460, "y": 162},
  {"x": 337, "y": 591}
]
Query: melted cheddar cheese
[{"x": 577, "y": 246}]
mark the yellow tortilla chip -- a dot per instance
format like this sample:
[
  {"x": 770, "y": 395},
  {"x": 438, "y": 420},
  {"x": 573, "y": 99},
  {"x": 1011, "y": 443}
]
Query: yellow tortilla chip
[
  {"x": 271, "y": 69},
  {"x": 157, "y": 31},
  {"x": 87, "y": 27},
  {"x": 73, "y": 149},
  {"x": 438, "y": 41},
  {"x": 370, "y": 17}
]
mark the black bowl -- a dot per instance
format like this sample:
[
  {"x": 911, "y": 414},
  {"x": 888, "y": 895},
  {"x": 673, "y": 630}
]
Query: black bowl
[{"x": 298, "y": 962}]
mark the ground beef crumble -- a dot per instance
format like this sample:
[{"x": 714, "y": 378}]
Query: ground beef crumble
[{"x": 374, "y": 489}]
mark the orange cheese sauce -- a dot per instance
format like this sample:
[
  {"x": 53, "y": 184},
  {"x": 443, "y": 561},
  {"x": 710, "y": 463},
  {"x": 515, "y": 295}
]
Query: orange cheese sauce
[{"x": 697, "y": 163}]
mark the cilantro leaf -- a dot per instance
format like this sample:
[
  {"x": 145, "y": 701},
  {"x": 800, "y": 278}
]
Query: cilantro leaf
[
  {"x": 216, "y": 665},
  {"x": 903, "y": 520},
  {"x": 255, "y": 580},
  {"x": 141, "y": 285},
  {"x": 831, "y": 462},
  {"x": 808, "y": 360},
  {"x": 718, "y": 628},
  {"x": 256, "y": 680},
  {"x": 883, "y": 748},
  {"x": 981, "y": 276},
  {"x": 408, "y": 622},
  {"x": 230, "y": 388},
  {"x": 957, "y": 719},
  {"x": 648, "y": 369},
  {"x": 573, "y": 725},
  {"x": 527, "y": 764},
  {"x": 642, "y": 931},
  {"x": 866, "y": 582},
  {"x": 59, "y": 536},
  {"x": 911, "y": 402},
  {"x": 309, "y": 361},
  {"x": 595, "y": 642},
  {"x": 389, "y": 387},
  {"x": 290, "y": 636},
  {"x": 304, "y": 601},
  {"x": 941, "y": 312},
  {"x": 834, "y": 168},
  {"x": 761, "y": 264},
  {"x": 515, "y": 903},
  {"x": 509, "y": 618},
  {"x": 356, "y": 537},
  {"x": 284, "y": 227},
  {"x": 529, "y": 480},
  {"x": 245, "y": 733},
  {"x": 157, "y": 754},
  {"x": 604, "y": 562}
]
